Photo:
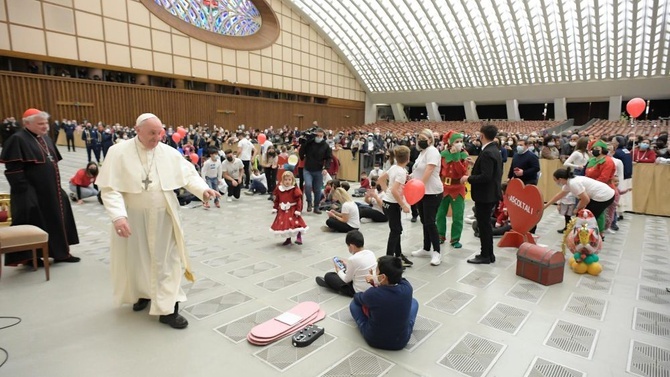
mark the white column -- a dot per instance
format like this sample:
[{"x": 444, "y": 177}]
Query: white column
[
  {"x": 370, "y": 110},
  {"x": 433, "y": 112},
  {"x": 512, "y": 109},
  {"x": 470, "y": 111},
  {"x": 399, "y": 112},
  {"x": 560, "y": 109},
  {"x": 615, "y": 108}
]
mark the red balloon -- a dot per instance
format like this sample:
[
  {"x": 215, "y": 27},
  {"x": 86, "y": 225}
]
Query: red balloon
[
  {"x": 181, "y": 131},
  {"x": 261, "y": 138},
  {"x": 176, "y": 137},
  {"x": 635, "y": 107},
  {"x": 414, "y": 191},
  {"x": 194, "y": 158}
]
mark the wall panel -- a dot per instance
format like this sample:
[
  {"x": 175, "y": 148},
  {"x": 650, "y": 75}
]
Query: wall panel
[{"x": 113, "y": 102}]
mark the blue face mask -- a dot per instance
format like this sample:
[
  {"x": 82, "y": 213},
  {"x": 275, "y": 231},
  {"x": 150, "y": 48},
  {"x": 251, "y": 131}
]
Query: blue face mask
[
  {"x": 520, "y": 149},
  {"x": 531, "y": 148},
  {"x": 318, "y": 139},
  {"x": 644, "y": 145}
]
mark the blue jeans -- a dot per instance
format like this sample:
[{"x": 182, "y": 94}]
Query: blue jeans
[
  {"x": 213, "y": 183},
  {"x": 362, "y": 320},
  {"x": 313, "y": 182}
]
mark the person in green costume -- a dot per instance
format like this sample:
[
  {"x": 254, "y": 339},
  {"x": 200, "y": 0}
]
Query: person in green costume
[
  {"x": 454, "y": 166},
  {"x": 601, "y": 168}
]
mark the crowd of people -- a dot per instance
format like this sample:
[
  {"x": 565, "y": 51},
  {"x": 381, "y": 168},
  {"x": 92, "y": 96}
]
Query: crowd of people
[{"x": 142, "y": 182}]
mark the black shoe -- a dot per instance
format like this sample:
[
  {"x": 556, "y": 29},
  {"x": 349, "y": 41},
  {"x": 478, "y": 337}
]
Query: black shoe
[
  {"x": 614, "y": 227},
  {"x": 70, "y": 259},
  {"x": 309, "y": 207},
  {"x": 413, "y": 219},
  {"x": 176, "y": 321},
  {"x": 620, "y": 218},
  {"x": 73, "y": 197},
  {"x": 141, "y": 304},
  {"x": 320, "y": 282},
  {"x": 100, "y": 198},
  {"x": 405, "y": 262},
  {"x": 561, "y": 231},
  {"x": 479, "y": 260},
  {"x": 493, "y": 258},
  {"x": 317, "y": 211}
]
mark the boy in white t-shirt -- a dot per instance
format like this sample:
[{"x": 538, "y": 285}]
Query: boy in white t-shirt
[
  {"x": 393, "y": 183},
  {"x": 212, "y": 173},
  {"x": 351, "y": 279}
]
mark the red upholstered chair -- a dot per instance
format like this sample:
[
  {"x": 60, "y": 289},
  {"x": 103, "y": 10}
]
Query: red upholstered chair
[{"x": 22, "y": 237}]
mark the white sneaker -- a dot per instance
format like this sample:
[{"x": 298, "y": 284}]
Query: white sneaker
[
  {"x": 610, "y": 231},
  {"x": 229, "y": 199},
  {"x": 421, "y": 253},
  {"x": 365, "y": 220},
  {"x": 468, "y": 220},
  {"x": 436, "y": 259}
]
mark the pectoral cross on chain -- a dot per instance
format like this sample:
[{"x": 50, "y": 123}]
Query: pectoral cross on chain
[{"x": 146, "y": 182}]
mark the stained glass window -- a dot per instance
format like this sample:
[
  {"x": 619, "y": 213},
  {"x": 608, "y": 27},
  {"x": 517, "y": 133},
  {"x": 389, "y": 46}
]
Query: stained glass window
[{"x": 237, "y": 18}]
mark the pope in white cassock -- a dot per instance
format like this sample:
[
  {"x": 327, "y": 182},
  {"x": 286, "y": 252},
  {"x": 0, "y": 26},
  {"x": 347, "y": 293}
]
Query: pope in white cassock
[{"x": 148, "y": 252}]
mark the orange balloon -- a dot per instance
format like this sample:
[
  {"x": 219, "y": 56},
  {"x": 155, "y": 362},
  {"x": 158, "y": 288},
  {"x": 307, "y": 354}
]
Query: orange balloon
[
  {"x": 635, "y": 107},
  {"x": 414, "y": 191},
  {"x": 261, "y": 138},
  {"x": 194, "y": 158},
  {"x": 181, "y": 131},
  {"x": 176, "y": 137}
]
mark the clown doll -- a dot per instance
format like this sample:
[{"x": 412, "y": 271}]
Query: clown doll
[{"x": 454, "y": 166}]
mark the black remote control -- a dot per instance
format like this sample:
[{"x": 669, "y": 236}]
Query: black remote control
[{"x": 306, "y": 336}]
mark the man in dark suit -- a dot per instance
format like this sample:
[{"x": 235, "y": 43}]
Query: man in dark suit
[{"x": 485, "y": 181}]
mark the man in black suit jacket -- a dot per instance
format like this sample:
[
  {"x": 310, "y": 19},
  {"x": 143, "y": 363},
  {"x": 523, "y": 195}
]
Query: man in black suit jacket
[{"x": 485, "y": 181}]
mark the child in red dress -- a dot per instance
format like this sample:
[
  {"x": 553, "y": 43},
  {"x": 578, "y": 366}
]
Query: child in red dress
[{"x": 288, "y": 204}]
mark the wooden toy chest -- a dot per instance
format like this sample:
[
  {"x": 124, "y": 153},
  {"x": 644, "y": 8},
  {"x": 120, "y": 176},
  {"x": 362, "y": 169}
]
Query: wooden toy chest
[{"x": 540, "y": 264}]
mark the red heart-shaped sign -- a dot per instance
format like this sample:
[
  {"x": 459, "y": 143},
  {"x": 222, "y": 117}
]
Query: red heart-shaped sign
[{"x": 524, "y": 205}]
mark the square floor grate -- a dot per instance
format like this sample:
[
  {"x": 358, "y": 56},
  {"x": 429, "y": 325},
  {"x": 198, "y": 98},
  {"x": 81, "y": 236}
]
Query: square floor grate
[
  {"x": 527, "y": 291},
  {"x": 652, "y": 322},
  {"x": 344, "y": 315},
  {"x": 599, "y": 284},
  {"x": 653, "y": 294},
  {"x": 216, "y": 305},
  {"x": 450, "y": 301},
  {"x": 359, "y": 363},
  {"x": 316, "y": 294},
  {"x": 648, "y": 360},
  {"x": 252, "y": 269},
  {"x": 472, "y": 355},
  {"x": 238, "y": 329},
  {"x": 224, "y": 260},
  {"x": 423, "y": 328},
  {"x": 478, "y": 279},
  {"x": 655, "y": 259},
  {"x": 505, "y": 318},
  {"x": 659, "y": 276},
  {"x": 609, "y": 266},
  {"x": 199, "y": 285},
  {"x": 575, "y": 339},
  {"x": 281, "y": 355},
  {"x": 586, "y": 306},
  {"x": 282, "y": 281},
  {"x": 544, "y": 368}
]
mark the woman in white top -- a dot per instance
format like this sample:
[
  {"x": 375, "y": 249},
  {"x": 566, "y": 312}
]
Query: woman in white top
[
  {"x": 579, "y": 158},
  {"x": 593, "y": 195},
  {"x": 346, "y": 220},
  {"x": 427, "y": 169}
]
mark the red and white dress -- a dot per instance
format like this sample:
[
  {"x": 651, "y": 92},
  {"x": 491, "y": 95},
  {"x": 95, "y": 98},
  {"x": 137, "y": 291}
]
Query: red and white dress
[{"x": 287, "y": 201}]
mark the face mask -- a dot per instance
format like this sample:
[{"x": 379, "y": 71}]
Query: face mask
[
  {"x": 510, "y": 142},
  {"x": 531, "y": 148},
  {"x": 595, "y": 152},
  {"x": 423, "y": 144},
  {"x": 458, "y": 146},
  {"x": 644, "y": 145},
  {"x": 559, "y": 184},
  {"x": 318, "y": 139},
  {"x": 375, "y": 280},
  {"x": 551, "y": 144},
  {"x": 572, "y": 143},
  {"x": 370, "y": 138},
  {"x": 520, "y": 149},
  {"x": 229, "y": 158}
]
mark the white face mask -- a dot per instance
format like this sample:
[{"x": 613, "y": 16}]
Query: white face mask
[
  {"x": 458, "y": 146},
  {"x": 573, "y": 143},
  {"x": 510, "y": 142},
  {"x": 375, "y": 280}
]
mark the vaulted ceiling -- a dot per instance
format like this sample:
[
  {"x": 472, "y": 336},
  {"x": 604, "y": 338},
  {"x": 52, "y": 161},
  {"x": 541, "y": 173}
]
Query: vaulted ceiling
[{"x": 435, "y": 45}]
